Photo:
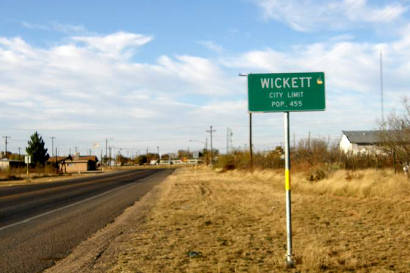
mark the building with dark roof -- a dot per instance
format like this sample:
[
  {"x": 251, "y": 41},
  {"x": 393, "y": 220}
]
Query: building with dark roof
[{"x": 370, "y": 141}]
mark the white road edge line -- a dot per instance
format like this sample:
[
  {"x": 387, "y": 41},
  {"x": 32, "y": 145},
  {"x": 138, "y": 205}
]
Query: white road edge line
[{"x": 67, "y": 206}]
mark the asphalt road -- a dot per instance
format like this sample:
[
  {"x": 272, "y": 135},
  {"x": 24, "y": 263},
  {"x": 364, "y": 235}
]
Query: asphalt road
[{"x": 42, "y": 223}]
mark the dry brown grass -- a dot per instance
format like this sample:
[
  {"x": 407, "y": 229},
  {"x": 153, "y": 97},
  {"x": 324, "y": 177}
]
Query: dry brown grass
[
  {"x": 20, "y": 173},
  {"x": 361, "y": 183},
  {"x": 235, "y": 222}
]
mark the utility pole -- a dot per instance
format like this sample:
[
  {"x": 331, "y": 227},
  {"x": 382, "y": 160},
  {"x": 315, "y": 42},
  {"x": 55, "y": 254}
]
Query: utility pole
[
  {"x": 56, "y": 161},
  {"x": 206, "y": 150},
  {"x": 5, "y": 152},
  {"x": 110, "y": 149},
  {"x": 52, "y": 145},
  {"x": 106, "y": 150},
  {"x": 228, "y": 140},
  {"x": 118, "y": 157},
  {"x": 210, "y": 131},
  {"x": 250, "y": 127},
  {"x": 19, "y": 152}
]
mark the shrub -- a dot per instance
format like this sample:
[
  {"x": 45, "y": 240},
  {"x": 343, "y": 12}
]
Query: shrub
[
  {"x": 316, "y": 174},
  {"x": 314, "y": 156}
]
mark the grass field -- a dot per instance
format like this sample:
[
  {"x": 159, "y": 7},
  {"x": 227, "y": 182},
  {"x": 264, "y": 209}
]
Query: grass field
[{"x": 205, "y": 221}]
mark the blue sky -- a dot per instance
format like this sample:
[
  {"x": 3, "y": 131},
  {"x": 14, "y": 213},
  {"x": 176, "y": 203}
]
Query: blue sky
[{"x": 157, "y": 73}]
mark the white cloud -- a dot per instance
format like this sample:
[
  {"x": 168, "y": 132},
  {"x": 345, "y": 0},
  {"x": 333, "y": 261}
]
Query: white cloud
[
  {"x": 308, "y": 15},
  {"x": 200, "y": 75},
  {"x": 348, "y": 65},
  {"x": 34, "y": 26},
  {"x": 86, "y": 88},
  {"x": 211, "y": 45},
  {"x": 55, "y": 26},
  {"x": 115, "y": 44},
  {"x": 67, "y": 28}
]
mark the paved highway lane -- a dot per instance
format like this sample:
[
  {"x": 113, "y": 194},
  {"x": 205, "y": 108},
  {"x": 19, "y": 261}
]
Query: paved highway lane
[{"x": 42, "y": 223}]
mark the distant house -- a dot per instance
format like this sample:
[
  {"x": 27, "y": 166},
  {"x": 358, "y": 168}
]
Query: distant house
[
  {"x": 361, "y": 141},
  {"x": 177, "y": 162},
  {"x": 193, "y": 161},
  {"x": 164, "y": 162},
  {"x": 80, "y": 164},
  {"x": 154, "y": 162},
  {"x": 75, "y": 164},
  {"x": 6, "y": 164},
  {"x": 371, "y": 141}
]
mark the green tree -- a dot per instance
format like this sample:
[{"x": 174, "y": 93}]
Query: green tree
[
  {"x": 141, "y": 159},
  {"x": 122, "y": 160},
  {"x": 36, "y": 150}
]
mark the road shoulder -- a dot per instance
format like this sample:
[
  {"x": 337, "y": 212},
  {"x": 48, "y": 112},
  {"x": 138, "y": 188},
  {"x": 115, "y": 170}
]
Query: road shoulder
[{"x": 99, "y": 252}]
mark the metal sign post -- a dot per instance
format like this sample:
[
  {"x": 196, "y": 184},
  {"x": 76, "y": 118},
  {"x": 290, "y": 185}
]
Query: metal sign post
[
  {"x": 289, "y": 258},
  {"x": 27, "y": 160},
  {"x": 286, "y": 92}
]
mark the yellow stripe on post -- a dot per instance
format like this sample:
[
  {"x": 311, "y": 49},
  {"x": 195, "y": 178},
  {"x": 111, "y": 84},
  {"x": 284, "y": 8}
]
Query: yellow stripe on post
[{"x": 287, "y": 180}]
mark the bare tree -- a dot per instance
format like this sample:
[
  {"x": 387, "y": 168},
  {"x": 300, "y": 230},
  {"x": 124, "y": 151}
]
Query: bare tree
[{"x": 395, "y": 135}]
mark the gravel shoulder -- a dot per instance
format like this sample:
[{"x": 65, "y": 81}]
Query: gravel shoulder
[
  {"x": 98, "y": 253},
  {"x": 55, "y": 178}
]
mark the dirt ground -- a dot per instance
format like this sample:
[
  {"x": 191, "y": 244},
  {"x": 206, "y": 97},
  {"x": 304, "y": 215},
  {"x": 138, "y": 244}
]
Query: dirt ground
[{"x": 200, "y": 220}]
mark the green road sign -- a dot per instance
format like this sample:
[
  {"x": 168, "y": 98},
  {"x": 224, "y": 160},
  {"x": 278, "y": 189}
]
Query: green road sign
[{"x": 282, "y": 92}]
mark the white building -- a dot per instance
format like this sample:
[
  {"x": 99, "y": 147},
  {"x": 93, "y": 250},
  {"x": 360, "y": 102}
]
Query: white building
[
  {"x": 4, "y": 164},
  {"x": 361, "y": 141}
]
